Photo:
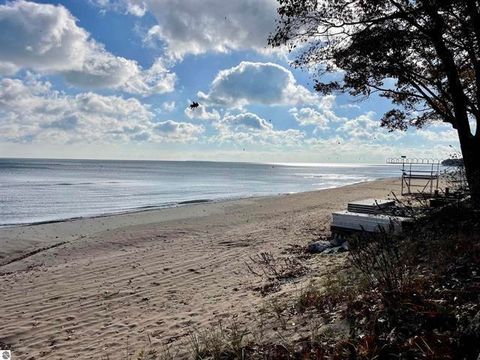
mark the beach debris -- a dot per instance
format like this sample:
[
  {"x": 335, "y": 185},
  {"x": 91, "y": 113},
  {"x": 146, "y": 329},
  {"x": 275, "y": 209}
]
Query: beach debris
[
  {"x": 109, "y": 294},
  {"x": 327, "y": 247},
  {"x": 337, "y": 239},
  {"x": 318, "y": 246},
  {"x": 337, "y": 249}
]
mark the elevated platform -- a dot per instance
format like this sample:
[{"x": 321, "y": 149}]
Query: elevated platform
[{"x": 419, "y": 176}]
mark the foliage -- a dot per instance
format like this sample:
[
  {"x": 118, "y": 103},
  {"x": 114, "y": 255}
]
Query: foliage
[
  {"x": 455, "y": 176},
  {"x": 423, "y": 55},
  {"x": 220, "y": 342},
  {"x": 268, "y": 266},
  {"x": 381, "y": 259},
  {"x": 373, "y": 41}
]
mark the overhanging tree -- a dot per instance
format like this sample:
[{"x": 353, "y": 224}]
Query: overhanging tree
[{"x": 423, "y": 55}]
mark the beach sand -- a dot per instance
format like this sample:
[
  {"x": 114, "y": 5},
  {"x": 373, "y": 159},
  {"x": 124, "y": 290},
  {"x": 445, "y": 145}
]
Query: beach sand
[{"x": 98, "y": 287}]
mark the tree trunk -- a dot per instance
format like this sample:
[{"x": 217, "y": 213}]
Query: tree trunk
[{"x": 470, "y": 146}]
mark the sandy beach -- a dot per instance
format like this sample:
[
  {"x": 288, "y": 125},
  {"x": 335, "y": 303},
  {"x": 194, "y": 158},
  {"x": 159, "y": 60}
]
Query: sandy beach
[{"x": 98, "y": 287}]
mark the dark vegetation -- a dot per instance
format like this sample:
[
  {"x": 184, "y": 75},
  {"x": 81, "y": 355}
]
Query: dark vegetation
[
  {"x": 429, "y": 48},
  {"x": 452, "y": 162},
  {"x": 274, "y": 270}
]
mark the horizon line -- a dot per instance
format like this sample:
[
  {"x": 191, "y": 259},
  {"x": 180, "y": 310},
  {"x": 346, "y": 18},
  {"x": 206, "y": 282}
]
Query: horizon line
[{"x": 278, "y": 163}]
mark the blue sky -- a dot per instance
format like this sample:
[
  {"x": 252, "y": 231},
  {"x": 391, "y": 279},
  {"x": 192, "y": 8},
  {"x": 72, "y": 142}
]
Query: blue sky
[{"x": 113, "y": 79}]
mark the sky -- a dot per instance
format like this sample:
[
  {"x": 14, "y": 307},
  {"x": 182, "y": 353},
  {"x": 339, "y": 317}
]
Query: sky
[{"x": 113, "y": 79}]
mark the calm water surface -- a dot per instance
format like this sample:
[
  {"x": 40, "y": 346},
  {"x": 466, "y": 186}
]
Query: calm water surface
[{"x": 48, "y": 190}]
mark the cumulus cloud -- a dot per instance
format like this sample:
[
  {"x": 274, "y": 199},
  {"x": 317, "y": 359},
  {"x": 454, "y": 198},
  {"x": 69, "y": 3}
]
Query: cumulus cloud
[
  {"x": 8, "y": 69},
  {"x": 439, "y": 132},
  {"x": 41, "y": 37},
  {"x": 46, "y": 38},
  {"x": 31, "y": 110},
  {"x": 365, "y": 128},
  {"x": 168, "y": 106},
  {"x": 336, "y": 149},
  {"x": 134, "y": 7},
  {"x": 326, "y": 106},
  {"x": 178, "y": 131},
  {"x": 248, "y": 121},
  {"x": 201, "y": 112},
  {"x": 256, "y": 83},
  {"x": 309, "y": 116},
  {"x": 321, "y": 116},
  {"x": 108, "y": 71},
  {"x": 196, "y": 27},
  {"x": 248, "y": 128}
]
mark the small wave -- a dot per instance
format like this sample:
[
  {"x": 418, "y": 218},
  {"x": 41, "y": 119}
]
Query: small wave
[
  {"x": 57, "y": 184},
  {"x": 341, "y": 177},
  {"x": 199, "y": 201},
  {"x": 72, "y": 184}
]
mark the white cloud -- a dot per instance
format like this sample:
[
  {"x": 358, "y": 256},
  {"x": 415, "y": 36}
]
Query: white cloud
[
  {"x": 257, "y": 83},
  {"x": 337, "y": 149},
  {"x": 42, "y": 37},
  {"x": 201, "y": 112},
  {"x": 46, "y": 38},
  {"x": 439, "y": 132},
  {"x": 178, "y": 131},
  {"x": 248, "y": 121},
  {"x": 156, "y": 79},
  {"x": 365, "y": 128},
  {"x": 309, "y": 116},
  {"x": 350, "y": 106},
  {"x": 136, "y": 8},
  {"x": 132, "y": 7},
  {"x": 326, "y": 106},
  {"x": 106, "y": 70},
  {"x": 248, "y": 128},
  {"x": 8, "y": 69},
  {"x": 31, "y": 111},
  {"x": 168, "y": 106},
  {"x": 439, "y": 136},
  {"x": 320, "y": 117},
  {"x": 196, "y": 27}
]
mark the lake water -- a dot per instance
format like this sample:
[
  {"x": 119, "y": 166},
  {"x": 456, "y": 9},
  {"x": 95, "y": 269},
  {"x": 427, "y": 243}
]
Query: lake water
[{"x": 34, "y": 190}]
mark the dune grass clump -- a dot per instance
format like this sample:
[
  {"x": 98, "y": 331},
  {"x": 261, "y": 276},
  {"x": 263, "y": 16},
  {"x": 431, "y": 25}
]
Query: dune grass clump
[
  {"x": 266, "y": 265},
  {"x": 220, "y": 342}
]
